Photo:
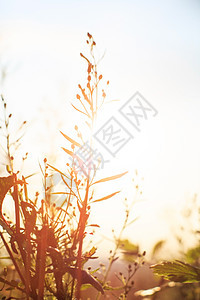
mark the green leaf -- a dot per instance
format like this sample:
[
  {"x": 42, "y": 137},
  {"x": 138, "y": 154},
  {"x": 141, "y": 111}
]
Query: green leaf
[
  {"x": 85, "y": 286},
  {"x": 177, "y": 271},
  {"x": 192, "y": 255},
  {"x": 157, "y": 247},
  {"x": 110, "y": 178},
  {"x": 91, "y": 252},
  {"x": 128, "y": 247},
  {"x": 94, "y": 271}
]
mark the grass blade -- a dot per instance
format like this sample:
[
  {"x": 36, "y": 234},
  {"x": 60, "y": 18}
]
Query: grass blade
[
  {"x": 81, "y": 111},
  {"x": 70, "y": 139},
  {"x": 106, "y": 197},
  {"x": 110, "y": 178},
  {"x": 68, "y": 151}
]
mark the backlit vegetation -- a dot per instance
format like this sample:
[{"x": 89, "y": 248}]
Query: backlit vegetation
[{"x": 45, "y": 241}]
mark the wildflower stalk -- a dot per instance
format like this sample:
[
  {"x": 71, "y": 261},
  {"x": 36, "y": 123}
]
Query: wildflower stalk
[
  {"x": 49, "y": 239},
  {"x": 83, "y": 220},
  {"x": 114, "y": 253}
]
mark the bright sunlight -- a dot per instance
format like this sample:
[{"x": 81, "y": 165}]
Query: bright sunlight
[{"x": 100, "y": 166}]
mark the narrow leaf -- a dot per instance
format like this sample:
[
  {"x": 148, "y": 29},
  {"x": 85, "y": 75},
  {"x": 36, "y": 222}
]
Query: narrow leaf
[
  {"x": 112, "y": 101},
  {"x": 70, "y": 139},
  {"x": 131, "y": 222},
  {"x": 55, "y": 169},
  {"x": 94, "y": 225},
  {"x": 60, "y": 193},
  {"x": 68, "y": 151},
  {"x": 80, "y": 111},
  {"x": 91, "y": 252},
  {"x": 88, "y": 124},
  {"x": 106, "y": 197},
  {"x": 85, "y": 286},
  {"x": 30, "y": 175},
  {"x": 110, "y": 178},
  {"x": 85, "y": 278}
]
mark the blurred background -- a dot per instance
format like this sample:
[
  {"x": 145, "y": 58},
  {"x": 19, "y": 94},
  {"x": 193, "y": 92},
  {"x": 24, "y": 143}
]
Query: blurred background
[{"x": 147, "y": 46}]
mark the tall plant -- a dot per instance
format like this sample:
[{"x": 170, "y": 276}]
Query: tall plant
[{"x": 45, "y": 240}]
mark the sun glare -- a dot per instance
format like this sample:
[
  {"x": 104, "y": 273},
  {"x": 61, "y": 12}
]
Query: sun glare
[{"x": 99, "y": 144}]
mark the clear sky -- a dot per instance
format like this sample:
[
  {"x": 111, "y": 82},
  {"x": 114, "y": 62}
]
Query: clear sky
[{"x": 151, "y": 47}]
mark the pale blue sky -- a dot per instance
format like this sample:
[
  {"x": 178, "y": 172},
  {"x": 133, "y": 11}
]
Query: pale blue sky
[{"x": 150, "y": 46}]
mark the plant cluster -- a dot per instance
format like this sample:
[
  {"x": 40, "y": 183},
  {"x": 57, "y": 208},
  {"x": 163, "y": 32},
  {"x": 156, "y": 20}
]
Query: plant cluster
[{"x": 45, "y": 241}]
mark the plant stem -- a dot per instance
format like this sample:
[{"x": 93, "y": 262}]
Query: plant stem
[
  {"x": 83, "y": 220},
  {"x": 112, "y": 258},
  {"x": 41, "y": 275},
  {"x": 13, "y": 259}
]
